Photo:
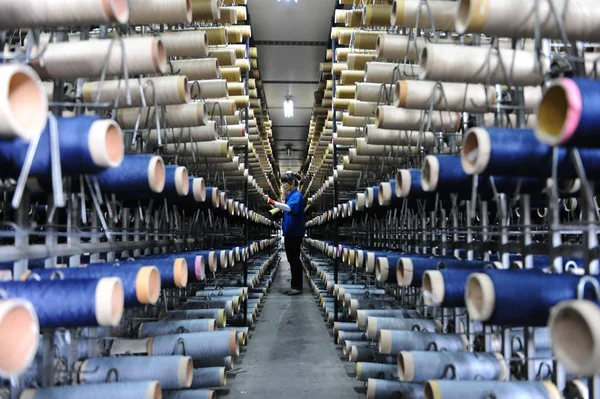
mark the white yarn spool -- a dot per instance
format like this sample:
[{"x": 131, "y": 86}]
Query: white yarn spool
[
  {"x": 226, "y": 57},
  {"x": 349, "y": 77},
  {"x": 458, "y": 97},
  {"x": 183, "y": 115},
  {"x": 211, "y": 88},
  {"x": 205, "y": 10},
  {"x": 23, "y": 102},
  {"x": 376, "y": 136},
  {"x": 373, "y": 92},
  {"x": 358, "y": 61},
  {"x": 517, "y": 18},
  {"x": 355, "y": 121},
  {"x": 56, "y": 13},
  {"x": 164, "y": 90},
  {"x": 383, "y": 72},
  {"x": 405, "y": 13},
  {"x": 453, "y": 63},
  {"x": 389, "y": 117},
  {"x": 396, "y": 47},
  {"x": 362, "y": 148},
  {"x": 216, "y": 148},
  {"x": 362, "y": 108},
  {"x": 183, "y": 134},
  {"x": 197, "y": 69},
  {"x": 228, "y": 15},
  {"x": 364, "y": 40},
  {"x": 143, "y": 12},
  {"x": 234, "y": 130},
  {"x": 220, "y": 106},
  {"x": 71, "y": 60},
  {"x": 349, "y": 132},
  {"x": 185, "y": 43}
]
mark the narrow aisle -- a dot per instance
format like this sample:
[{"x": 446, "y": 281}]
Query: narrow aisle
[{"x": 291, "y": 354}]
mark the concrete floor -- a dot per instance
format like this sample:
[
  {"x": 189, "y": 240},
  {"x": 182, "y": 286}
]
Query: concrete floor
[{"x": 291, "y": 353}]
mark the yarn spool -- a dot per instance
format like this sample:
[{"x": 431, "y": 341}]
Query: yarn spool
[
  {"x": 438, "y": 389},
  {"x": 19, "y": 330},
  {"x": 453, "y": 63},
  {"x": 406, "y": 12},
  {"x": 384, "y": 389},
  {"x": 411, "y": 269},
  {"x": 133, "y": 390},
  {"x": 376, "y": 324},
  {"x": 165, "y": 90},
  {"x": 152, "y": 329},
  {"x": 85, "y": 302},
  {"x": 399, "y": 48},
  {"x": 567, "y": 113},
  {"x": 389, "y": 73},
  {"x": 356, "y": 65},
  {"x": 363, "y": 40},
  {"x": 86, "y": 144},
  {"x": 218, "y": 107},
  {"x": 206, "y": 10},
  {"x": 367, "y": 370},
  {"x": 192, "y": 44},
  {"x": 190, "y": 394},
  {"x": 424, "y": 366},
  {"x": 376, "y": 15},
  {"x": 210, "y": 88},
  {"x": 393, "y": 342},
  {"x": 372, "y": 150},
  {"x": 490, "y": 150},
  {"x": 445, "y": 287},
  {"x": 385, "y": 268},
  {"x": 57, "y": 13},
  {"x": 487, "y": 294},
  {"x": 577, "y": 21},
  {"x": 209, "y": 377},
  {"x": 71, "y": 60},
  {"x": 457, "y": 97},
  {"x": 197, "y": 345},
  {"x": 184, "y": 115},
  {"x": 226, "y": 57},
  {"x": 215, "y": 148},
  {"x": 141, "y": 284},
  {"x": 137, "y": 177},
  {"x": 574, "y": 332},
  {"x": 443, "y": 173},
  {"x": 362, "y": 315},
  {"x": 408, "y": 182},
  {"x": 23, "y": 103},
  {"x": 361, "y": 108},
  {"x": 217, "y": 314},
  {"x": 197, "y": 69},
  {"x": 173, "y": 372},
  {"x": 389, "y": 117}
]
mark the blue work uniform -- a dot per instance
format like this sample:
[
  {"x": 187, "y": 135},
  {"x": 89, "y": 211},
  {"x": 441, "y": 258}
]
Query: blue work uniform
[{"x": 293, "y": 222}]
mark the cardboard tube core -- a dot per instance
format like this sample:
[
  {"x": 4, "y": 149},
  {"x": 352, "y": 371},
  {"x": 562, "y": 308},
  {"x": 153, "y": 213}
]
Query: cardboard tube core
[
  {"x": 156, "y": 174},
  {"x": 475, "y": 154},
  {"x": 406, "y": 366},
  {"x": 553, "y": 113},
  {"x": 480, "y": 296},
  {"x": 19, "y": 330},
  {"x": 110, "y": 298}
]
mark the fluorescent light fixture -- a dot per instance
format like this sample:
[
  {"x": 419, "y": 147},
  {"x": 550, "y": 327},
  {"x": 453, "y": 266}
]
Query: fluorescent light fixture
[
  {"x": 288, "y": 108},
  {"x": 287, "y": 1}
]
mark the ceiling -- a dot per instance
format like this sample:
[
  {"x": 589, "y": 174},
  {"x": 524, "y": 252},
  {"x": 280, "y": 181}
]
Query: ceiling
[{"x": 291, "y": 39}]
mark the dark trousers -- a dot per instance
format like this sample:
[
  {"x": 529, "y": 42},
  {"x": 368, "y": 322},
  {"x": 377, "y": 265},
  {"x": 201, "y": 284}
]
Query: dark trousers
[{"x": 292, "y": 249}]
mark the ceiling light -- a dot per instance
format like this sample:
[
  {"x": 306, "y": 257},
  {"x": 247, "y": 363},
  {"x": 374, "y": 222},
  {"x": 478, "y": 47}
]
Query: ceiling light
[
  {"x": 288, "y": 108},
  {"x": 287, "y": 1}
]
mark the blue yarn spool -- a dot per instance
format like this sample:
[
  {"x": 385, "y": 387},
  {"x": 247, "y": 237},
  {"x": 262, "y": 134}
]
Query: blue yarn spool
[
  {"x": 177, "y": 184},
  {"x": 211, "y": 194},
  {"x": 408, "y": 183},
  {"x": 446, "y": 287},
  {"x": 79, "y": 153},
  {"x": 209, "y": 377},
  {"x": 568, "y": 113},
  {"x": 173, "y": 372},
  {"x": 374, "y": 195},
  {"x": 141, "y": 284},
  {"x": 517, "y": 152},
  {"x": 519, "y": 297},
  {"x": 217, "y": 314},
  {"x": 130, "y": 390},
  {"x": 190, "y": 394},
  {"x": 511, "y": 185},
  {"x": 453, "y": 263},
  {"x": 486, "y": 389},
  {"x": 191, "y": 258},
  {"x": 411, "y": 269},
  {"x": 443, "y": 173},
  {"x": 387, "y": 193},
  {"x": 138, "y": 177},
  {"x": 72, "y": 303},
  {"x": 385, "y": 268},
  {"x": 171, "y": 269}
]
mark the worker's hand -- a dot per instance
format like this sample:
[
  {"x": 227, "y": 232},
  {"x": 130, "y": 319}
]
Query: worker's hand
[{"x": 270, "y": 201}]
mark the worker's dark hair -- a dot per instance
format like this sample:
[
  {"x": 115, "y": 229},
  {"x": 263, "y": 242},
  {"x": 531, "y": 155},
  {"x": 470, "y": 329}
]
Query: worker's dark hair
[{"x": 290, "y": 177}]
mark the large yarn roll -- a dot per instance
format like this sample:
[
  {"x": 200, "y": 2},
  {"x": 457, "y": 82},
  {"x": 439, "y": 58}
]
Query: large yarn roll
[
  {"x": 442, "y": 389},
  {"x": 56, "y": 13},
  {"x": 137, "y": 177},
  {"x": 173, "y": 372},
  {"x": 357, "y": 63},
  {"x": 575, "y": 336},
  {"x": 19, "y": 331},
  {"x": 72, "y": 303},
  {"x": 405, "y": 13},
  {"x": 141, "y": 284},
  {"x": 396, "y": 47},
  {"x": 197, "y": 69},
  {"x": 491, "y": 150},
  {"x": 216, "y": 148},
  {"x": 445, "y": 287},
  {"x": 458, "y": 97},
  {"x": 133, "y": 390},
  {"x": 408, "y": 182},
  {"x": 568, "y": 113},
  {"x": 71, "y": 60},
  {"x": 418, "y": 366},
  {"x": 376, "y": 324},
  {"x": 488, "y": 295},
  {"x": 453, "y": 63},
  {"x": 184, "y": 115},
  {"x": 217, "y": 314},
  {"x": 226, "y": 57},
  {"x": 190, "y": 394},
  {"x": 165, "y": 90},
  {"x": 514, "y": 18},
  {"x": 376, "y": 15},
  {"x": 384, "y": 389},
  {"x": 185, "y": 43},
  {"x": 443, "y": 173},
  {"x": 362, "y": 315},
  {"x": 209, "y": 88},
  {"x": 205, "y": 10},
  {"x": 389, "y": 73},
  {"x": 184, "y": 134},
  {"x": 152, "y": 329},
  {"x": 87, "y": 144},
  {"x": 364, "y": 39},
  {"x": 389, "y": 117},
  {"x": 395, "y": 341},
  {"x": 197, "y": 345},
  {"x": 367, "y": 370},
  {"x": 209, "y": 377},
  {"x": 173, "y": 268},
  {"x": 411, "y": 269},
  {"x": 23, "y": 103}
]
